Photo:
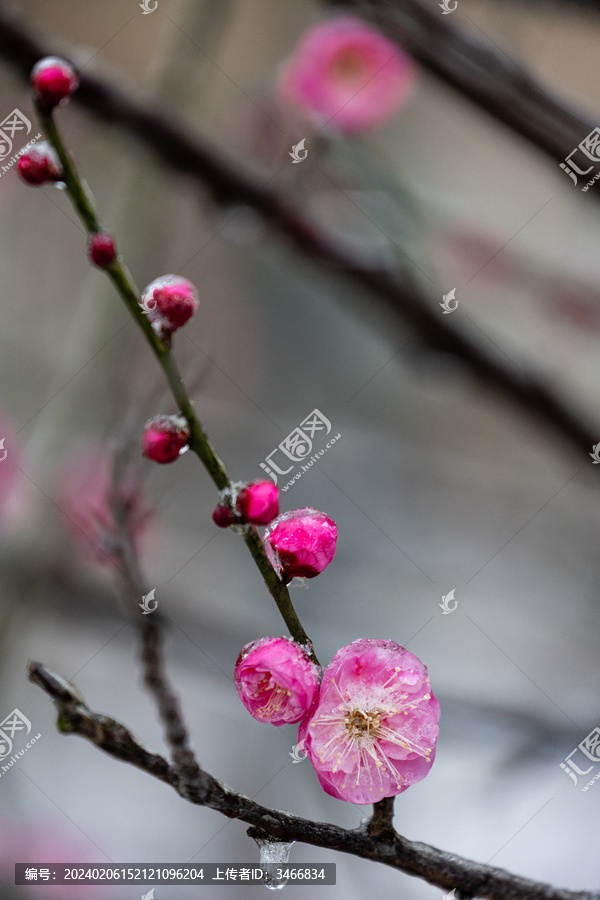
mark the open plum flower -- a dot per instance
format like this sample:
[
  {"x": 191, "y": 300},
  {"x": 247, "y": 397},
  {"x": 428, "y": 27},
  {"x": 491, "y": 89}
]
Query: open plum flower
[
  {"x": 374, "y": 729},
  {"x": 276, "y": 680},
  {"x": 346, "y": 75},
  {"x": 301, "y": 542}
]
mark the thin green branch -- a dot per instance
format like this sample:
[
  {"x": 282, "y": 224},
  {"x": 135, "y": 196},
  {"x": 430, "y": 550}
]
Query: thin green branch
[{"x": 199, "y": 443}]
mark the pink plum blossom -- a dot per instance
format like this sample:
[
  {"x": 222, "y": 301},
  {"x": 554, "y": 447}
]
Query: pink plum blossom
[
  {"x": 276, "y": 680},
  {"x": 301, "y": 542},
  {"x": 346, "y": 75},
  {"x": 88, "y": 496},
  {"x": 374, "y": 729}
]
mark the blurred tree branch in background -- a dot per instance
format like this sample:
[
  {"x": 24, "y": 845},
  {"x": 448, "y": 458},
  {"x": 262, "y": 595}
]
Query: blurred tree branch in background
[
  {"x": 497, "y": 84},
  {"x": 485, "y": 75}
]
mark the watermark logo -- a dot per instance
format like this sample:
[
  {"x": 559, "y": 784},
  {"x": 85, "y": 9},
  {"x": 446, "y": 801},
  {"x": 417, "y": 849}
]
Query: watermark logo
[
  {"x": 297, "y": 446},
  {"x": 445, "y": 604},
  {"x": 14, "y": 121},
  {"x": 14, "y": 722},
  {"x": 296, "y": 150},
  {"x": 148, "y": 304},
  {"x": 149, "y": 895},
  {"x": 590, "y": 748},
  {"x": 588, "y": 149},
  {"x": 12, "y": 725},
  {"x": 4, "y": 453},
  {"x": 448, "y": 9},
  {"x": 147, "y": 10},
  {"x": 145, "y": 604},
  {"x": 446, "y": 304},
  {"x": 297, "y": 750},
  {"x": 596, "y": 454}
]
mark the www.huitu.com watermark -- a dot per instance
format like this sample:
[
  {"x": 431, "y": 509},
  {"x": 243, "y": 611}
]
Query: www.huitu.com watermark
[
  {"x": 588, "y": 150},
  {"x": 590, "y": 750},
  {"x": 13, "y": 723},
  {"x": 298, "y": 446}
]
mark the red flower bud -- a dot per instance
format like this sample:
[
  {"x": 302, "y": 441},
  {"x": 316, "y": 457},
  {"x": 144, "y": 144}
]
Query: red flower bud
[
  {"x": 53, "y": 80},
  {"x": 223, "y": 517},
  {"x": 258, "y": 502},
  {"x": 40, "y": 165},
  {"x": 102, "y": 250},
  {"x": 170, "y": 301},
  {"x": 165, "y": 437}
]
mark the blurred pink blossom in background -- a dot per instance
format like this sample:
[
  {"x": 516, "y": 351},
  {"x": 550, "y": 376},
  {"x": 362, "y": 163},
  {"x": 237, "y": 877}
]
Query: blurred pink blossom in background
[
  {"x": 347, "y": 76},
  {"x": 87, "y": 497}
]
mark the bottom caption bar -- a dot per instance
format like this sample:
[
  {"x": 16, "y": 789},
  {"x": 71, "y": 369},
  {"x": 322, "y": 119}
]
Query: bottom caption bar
[{"x": 166, "y": 873}]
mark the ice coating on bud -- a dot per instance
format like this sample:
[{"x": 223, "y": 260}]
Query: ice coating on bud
[
  {"x": 165, "y": 438},
  {"x": 276, "y": 680},
  {"x": 170, "y": 301},
  {"x": 40, "y": 165},
  {"x": 102, "y": 250},
  {"x": 301, "y": 542},
  {"x": 53, "y": 80},
  {"x": 258, "y": 502},
  {"x": 374, "y": 729}
]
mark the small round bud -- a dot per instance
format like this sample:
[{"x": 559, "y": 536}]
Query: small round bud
[
  {"x": 223, "y": 517},
  {"x": 258, "y": 502},
  {"x": 40, "y": 165},
  {"x": 53, "y": 80},
  {"x": 165, "y": 437},
  {"x": 102, "y": 250},
  {"x": 170, "y": 301}
]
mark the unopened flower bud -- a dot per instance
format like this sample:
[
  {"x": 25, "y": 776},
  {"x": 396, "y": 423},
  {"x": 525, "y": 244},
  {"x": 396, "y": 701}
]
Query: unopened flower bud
[
  {"x": 164, "y": 438},
  {"x": 102, "y": 250},
  {"x": 300, "y": 542},
  {"x": 53, "y": 80},
  {"x": 40, "y": 165},
  {"x": 170, "y": 301},
  {"x": 258, "y": 502},
  {"x": 223, "y": 517}
]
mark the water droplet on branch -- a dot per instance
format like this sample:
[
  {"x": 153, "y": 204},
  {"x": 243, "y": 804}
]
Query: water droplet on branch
[{"x": 272, "y": 851}]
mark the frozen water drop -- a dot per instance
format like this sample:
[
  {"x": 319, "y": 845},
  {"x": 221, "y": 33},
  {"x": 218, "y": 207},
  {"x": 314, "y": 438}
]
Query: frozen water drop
[
  {"x": 275, "y": 853},
  {"x": 298, "y": 582},
  {"x": 61, "y": 185}
]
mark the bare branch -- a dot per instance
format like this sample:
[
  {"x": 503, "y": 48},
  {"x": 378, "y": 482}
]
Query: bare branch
[{"x": 445, "y": 870}]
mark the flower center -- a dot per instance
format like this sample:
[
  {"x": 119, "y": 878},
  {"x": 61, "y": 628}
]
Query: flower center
[
  {"x": 358, "y": 723},
  {"x": 274, "y": 697},
  {"x": 350, "y": 67}
]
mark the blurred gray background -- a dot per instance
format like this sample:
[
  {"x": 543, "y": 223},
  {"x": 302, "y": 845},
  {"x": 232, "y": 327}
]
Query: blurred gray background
[{"x": 435, "y": 484}]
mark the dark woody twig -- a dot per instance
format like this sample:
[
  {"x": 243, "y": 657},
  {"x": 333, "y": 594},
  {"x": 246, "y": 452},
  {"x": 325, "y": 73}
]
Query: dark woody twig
[{"x": 445, "y": 870}]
